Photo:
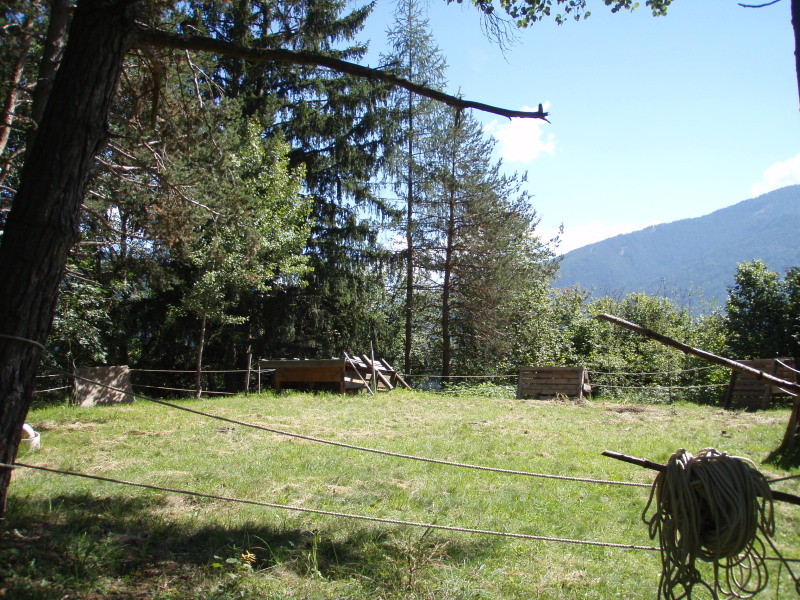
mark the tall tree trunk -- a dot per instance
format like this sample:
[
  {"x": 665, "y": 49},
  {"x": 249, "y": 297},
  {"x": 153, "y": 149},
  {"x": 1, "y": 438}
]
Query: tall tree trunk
[
  {"x": 48, "y": 65},
  {"x": 448, "y": 270},
  {"x": 12, "y": 100},
  {"x": 198, "y": 376},
  {"x": 409, "y": 238},
  {"x": 43, "y": 222}
]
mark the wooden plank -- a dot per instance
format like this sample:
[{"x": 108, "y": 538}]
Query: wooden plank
[
  {"x": 328, "y": 362},
  {"x": 553, "y": 381},
  {"x": 395, "y": 375}
]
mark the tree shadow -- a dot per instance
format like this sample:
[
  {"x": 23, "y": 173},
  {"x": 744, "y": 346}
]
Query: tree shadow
[
  {"x": 783, "y": 458},
  {"x": 77, "y": 542}
]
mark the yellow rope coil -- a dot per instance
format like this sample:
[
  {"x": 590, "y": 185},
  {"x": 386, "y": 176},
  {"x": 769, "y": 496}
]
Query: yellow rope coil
[{"x": 713, "y": 507}]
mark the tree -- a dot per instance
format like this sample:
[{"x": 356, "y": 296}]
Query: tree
[
  {"x": 480, "y": 252},
  {"x": 417, "y": 59},
  {"x": 258, "y": 241},
  {"x": 42, "y": 224},
  {"x": 757, "y": 321}
]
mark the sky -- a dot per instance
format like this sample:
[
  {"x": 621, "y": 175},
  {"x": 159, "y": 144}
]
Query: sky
[{"x": 652, "y": 120}]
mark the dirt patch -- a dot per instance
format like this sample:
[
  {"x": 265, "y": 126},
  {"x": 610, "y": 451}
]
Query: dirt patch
[{"x": 628, "y": 408}]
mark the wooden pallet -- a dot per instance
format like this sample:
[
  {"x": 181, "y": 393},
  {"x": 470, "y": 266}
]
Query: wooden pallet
[
  {"x": 749, "y": 391},
  {"x": 550, "y": 382}
]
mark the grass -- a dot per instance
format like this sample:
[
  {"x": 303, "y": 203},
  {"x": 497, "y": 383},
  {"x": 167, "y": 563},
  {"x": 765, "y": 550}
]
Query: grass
[{"x": 68, "y": 537}]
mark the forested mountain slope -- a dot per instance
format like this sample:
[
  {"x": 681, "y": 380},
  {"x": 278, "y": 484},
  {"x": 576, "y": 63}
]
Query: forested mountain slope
[{"x": 700, "y": 254}]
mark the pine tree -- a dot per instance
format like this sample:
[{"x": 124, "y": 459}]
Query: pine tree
[
  {"x": 339, "y": 128},
  {"x": 415, "y": 57},
  {"x": 482, "y": 251}
]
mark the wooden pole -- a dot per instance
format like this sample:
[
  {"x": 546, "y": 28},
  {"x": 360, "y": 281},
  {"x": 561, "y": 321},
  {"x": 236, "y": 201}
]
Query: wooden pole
[
  {"x": 355, "y": 368},
  {"x": 719, "y": 360},
  {"x": 647, "y": 464},
  {"x": 792, "y": 434}
]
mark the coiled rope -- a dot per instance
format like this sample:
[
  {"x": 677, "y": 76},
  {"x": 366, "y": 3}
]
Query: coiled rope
[{"x": 716, "y": 508}]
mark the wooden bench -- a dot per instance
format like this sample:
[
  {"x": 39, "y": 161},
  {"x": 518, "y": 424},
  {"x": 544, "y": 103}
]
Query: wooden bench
[
  {"x": 549, "y": 382},
  {"x": 747, "y": 390}
]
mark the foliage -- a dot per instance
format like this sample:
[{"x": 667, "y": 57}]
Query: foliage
[
  {"x": 623, "y": 362},
  {"x": 526, "y": 12},
  {"x": 81, "y": 318},
  {"x": 256, "y": 244},
  {"x": 760, "y": 313}
]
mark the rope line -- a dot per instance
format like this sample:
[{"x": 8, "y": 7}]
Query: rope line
[
  {"x": 523, "y": 536},
  {"x": 690, "y": 370},
  {"x": 16, "y": 338},
  {"x": 190, "y": 371},
  {"x": 172, "y": 389},
  {"x": 55, "y": 389},
  {"x": 309, "y": 438},
  {"x": 659, "y": 387},
  {"x": 434, "y": 376}
]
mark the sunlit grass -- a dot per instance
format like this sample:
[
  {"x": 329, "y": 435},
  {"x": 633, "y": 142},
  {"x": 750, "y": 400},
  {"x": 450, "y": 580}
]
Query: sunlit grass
[{"x": 88, "y": 539}]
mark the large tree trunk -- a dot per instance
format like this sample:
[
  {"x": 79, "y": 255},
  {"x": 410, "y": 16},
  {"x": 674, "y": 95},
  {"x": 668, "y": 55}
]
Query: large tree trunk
[
  {"x": 43, "y": 222},
  {"x": 796, "y": 29}
]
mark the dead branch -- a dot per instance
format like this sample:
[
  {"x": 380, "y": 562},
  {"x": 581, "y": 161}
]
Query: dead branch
[
  {"x": 104, "y": 222},
  {"x": 163, "y": 39}
]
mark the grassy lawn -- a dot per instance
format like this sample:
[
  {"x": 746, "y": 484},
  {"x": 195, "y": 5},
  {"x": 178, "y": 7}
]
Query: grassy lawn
[{"x": 68, "y": 537}]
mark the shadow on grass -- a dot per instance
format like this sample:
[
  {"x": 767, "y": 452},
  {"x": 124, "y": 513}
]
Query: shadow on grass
[
  {"x": 784, "y": 459},
  {"x": 85, "y": 546}
]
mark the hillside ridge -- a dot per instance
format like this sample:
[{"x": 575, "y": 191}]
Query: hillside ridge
[{"x": 692, "y": 260}]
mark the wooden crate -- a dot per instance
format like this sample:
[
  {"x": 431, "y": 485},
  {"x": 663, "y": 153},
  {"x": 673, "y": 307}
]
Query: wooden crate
[
  {"x": 319, "y": 375},
  {"x": 748, "y": 391},
  {"x": 350, "y": 374},
  {"x": 549, "y": 382}
]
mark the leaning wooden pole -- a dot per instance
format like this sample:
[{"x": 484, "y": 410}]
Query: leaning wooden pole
[
  {"x": 790, "y": 439},
  {"x": 720, "y": 360}
]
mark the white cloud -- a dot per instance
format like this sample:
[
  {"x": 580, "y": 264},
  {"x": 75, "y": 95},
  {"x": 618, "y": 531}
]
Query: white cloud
[
  {"x": 522, "y": 140},
  {"x": 777, "y": 176},
  {"x": 576, "y": 236}
]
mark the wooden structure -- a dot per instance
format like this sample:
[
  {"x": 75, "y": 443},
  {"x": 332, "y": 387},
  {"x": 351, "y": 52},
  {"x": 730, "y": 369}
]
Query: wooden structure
[
  {"x": 750, "y": 391},
  {"x": 549, "y": 382},
  {"x": 103, "y": 385},
  {"x": 377, "y": 374},
  {"x": 340, "y": 375}
]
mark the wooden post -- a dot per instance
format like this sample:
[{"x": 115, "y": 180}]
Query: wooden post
[
  {"x": 792, "y": 435},
  {"x": 249, "y": 370}
]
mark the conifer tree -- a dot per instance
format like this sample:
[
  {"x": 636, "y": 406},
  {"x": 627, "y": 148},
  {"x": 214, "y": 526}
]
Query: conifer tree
[
  {"x": 339, "y": 129},
  {"x": 415, "y": 57},
  {"x": 482, "y": 251}
]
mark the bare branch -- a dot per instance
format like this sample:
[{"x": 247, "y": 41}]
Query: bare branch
[
  {"x": 106, "y": 224},
  {"x": 759, "y": 5},
  {"x": 165, "y": 39},
  {"x": 157, "y": 175}
]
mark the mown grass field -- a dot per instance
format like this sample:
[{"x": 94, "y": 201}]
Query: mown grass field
[{"x": 67, "y": 537}]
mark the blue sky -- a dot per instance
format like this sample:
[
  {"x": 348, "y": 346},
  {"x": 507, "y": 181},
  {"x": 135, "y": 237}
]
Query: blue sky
[{"x": 652, "y": 119}]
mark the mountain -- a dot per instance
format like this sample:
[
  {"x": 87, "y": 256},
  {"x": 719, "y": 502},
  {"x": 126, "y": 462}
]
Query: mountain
[{"x": 692, "y": 255}]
